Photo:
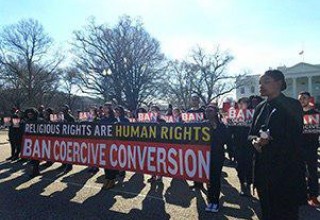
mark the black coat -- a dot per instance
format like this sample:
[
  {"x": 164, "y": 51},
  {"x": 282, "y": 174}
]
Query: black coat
[{"x": 279, "y": 167}]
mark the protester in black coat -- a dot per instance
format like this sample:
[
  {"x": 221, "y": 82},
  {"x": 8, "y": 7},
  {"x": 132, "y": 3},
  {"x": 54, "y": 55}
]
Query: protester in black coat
[
  {"x": 243, "y": 152},
  {"x": 15, "y": 137},
  {"x": 276, "y": 132},
  {"x": 46, "y": 117},
  {"x": 195, "y": 108},
  {"x": 310, "y": 145},
  {"x": 109, "y": 118},
  {"x": 32, "y": 117},
  {"x": 219, "y": 136},
  {"x": 70, "y": 119}
]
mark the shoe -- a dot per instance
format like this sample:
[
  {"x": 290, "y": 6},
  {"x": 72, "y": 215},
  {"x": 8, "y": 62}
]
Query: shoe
[
  {"x": 48, "y": 164},
  {"x": 212, "y": 207},
  {"x": 313, "y": 201},
  {"x": 196, "y": 185},
  {"x": 109, "y": 184},
  {"x": 9, "y": 158},
  {"x": 151, "y": 179},
  {"x": 23, "y": 160},
  {"x": 93, "y": 170},
  {"x": 14, "y": 158},
  {"x": 63, "y": 166},
  {"x": 122, "y": 174},
  {"x": 247, "y": 191},
  {"x": 67, "y": 169},
  {"x": 242, "y": 189}
]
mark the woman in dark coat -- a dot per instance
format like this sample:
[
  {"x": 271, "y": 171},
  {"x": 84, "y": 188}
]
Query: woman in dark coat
[
  {"x": 219, "y": 138},
  {"x": 108, "y": 117},
  {"x": 276, "y": 136},
  {"x": 243, "y": 152}
]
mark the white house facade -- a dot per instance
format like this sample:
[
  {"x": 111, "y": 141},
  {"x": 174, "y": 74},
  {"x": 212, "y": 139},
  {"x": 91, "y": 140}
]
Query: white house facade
[
  {"x": 300, "y": 77},
  {"x": 247, "y": 86}
]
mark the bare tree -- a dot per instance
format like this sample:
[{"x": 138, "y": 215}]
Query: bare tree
[
  {"x": 70, "y": 82},
  {"x": 204, "y": 74},
  {"x": 122, "y": 63},
  {"x": 208, "y": 74},
  {"x": 29, "y": 67},
  {"x": 178, "y": 89}
]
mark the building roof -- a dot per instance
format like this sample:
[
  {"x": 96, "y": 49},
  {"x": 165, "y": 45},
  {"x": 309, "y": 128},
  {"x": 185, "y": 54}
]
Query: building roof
[{"x": 300, "y": 68}]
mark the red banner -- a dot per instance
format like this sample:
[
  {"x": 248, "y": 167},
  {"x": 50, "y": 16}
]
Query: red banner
[
  {"x": 311, "y": 123},
  {"x": 192, "y": 117},
  {"x": 167, "y": 150},
  {"x": 239, "y": 117}
]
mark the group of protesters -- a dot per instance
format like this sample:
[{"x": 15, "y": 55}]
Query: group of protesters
[{"x": 267, "y": 156}]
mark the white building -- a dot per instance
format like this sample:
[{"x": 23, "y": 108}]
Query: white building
[
  {"x": 300, "y": 77},
  {"x": 247, "y": 86}
]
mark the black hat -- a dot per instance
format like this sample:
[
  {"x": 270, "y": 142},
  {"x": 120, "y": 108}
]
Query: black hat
[
  {"x": 49, "y": 111},
  {"x": 32, "y": 110},
  {"x": 67, "y": 107},
  {"x": 277, "y": 75}
]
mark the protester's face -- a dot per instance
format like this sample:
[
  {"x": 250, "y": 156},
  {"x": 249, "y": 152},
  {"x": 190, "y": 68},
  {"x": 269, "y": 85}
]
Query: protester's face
[
  {"x": 46, "y": 114},
  {"x": 117, "y": 113},
  {"x": 242, "y": 105},
  {"x": 93, "y": 112},
  {"x": 195, "y": 101},
  {"x": 154, "y": 110},
  {"x": 65, "y": 110},
  {"x": 304, "y": 100},
  {"x": 30, "y": 115},
  {"x": 106, "y": 109},
  {"x": 269, "y": 86},
  {"x": 211, "y": 113},
  {"x": 176, "y": 112}
]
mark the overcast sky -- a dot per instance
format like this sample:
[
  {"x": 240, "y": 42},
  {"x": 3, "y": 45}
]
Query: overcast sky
[{"x": 259, "y": 34}]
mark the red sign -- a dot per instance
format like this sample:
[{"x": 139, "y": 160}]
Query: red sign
[
  {"x": 148, "y": 117},
  {"x": 311, "y": 123},
  {"x": 239, "y": 117},
  {"x": 178, "y": 151},
  {"x": 192, "y": 117},
  {"x": 311, "y": 119}
]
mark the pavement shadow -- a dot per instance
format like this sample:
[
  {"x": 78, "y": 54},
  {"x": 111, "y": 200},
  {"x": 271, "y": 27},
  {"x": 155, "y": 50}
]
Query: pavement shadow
[
  {"x": 154, "y": 198},
  {"x": 179, "y": 193},
  {"x": 134, "y": 185},
  {"x": 74, "y": 182},
  {"x": 28, "y": 203},
  {"x": 13, "y": 166},
  {"x": 249, "y": 206}
]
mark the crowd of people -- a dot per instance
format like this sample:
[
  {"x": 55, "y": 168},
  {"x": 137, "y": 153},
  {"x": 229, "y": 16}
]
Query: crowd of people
[{"x": 267, "y": 155}]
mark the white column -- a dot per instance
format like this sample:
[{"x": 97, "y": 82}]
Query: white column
[
  {"x": 310, "y": 84},
  {"x": 294, "y": 88}
]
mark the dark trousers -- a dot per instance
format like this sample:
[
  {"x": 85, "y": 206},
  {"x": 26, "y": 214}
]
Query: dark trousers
[
  {"x": 35, "y": 165},
  {"x": 310, "y": 157},
  {"x": 275, "y": 207},
  {"x": 110, "y": 174},
  {"x": 231, "y": 151},
  {"x": 244, "y": 155},
  {"x": 15, "y": 149},
  {"x": 216, "y": 163}
]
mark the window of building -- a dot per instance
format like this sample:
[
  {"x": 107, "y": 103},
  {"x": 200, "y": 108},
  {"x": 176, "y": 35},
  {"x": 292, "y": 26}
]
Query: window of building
[
  {"x": 252, "y": 89},
  {"x": 242, "y": 90}
]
